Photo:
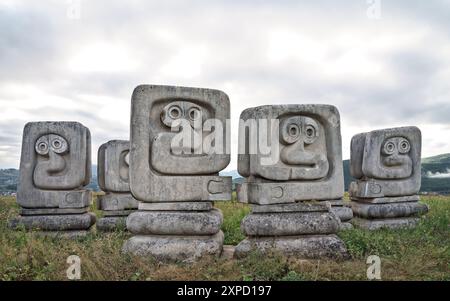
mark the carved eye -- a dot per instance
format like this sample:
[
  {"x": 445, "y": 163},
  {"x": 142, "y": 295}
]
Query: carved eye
[
  {"x": 389, "y": 148},
  {"x": 58, "y": 144},
  {"x": 175, "y": 112},
  {"x": 194, "y": 114},
  {"x": 310, "y": 134},
  {"x": 42, "y": 146},
  {"x": 293, "y": 130},
  {"x": 404, "y": 146},
  {"x": 290, "y": 132}
]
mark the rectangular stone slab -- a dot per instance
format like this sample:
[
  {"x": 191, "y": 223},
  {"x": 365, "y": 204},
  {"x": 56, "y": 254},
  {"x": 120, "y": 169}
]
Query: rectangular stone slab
[
  {"x": 342, "y": 212},
  {"x": 176, "y": 206},
  {"x": 294, "y": 207},
  {"x": 388, "y": 200},
  {"x": 391, "y": 210},
  {"x": 388, "y": 223},
  {"x": 53, "y": 211},
  {"x": 112, "y": 223}
]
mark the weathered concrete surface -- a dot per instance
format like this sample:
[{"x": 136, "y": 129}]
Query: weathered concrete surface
[
  {"x": 342, "y": 212},
  {"x": 391, "y": 210},
  {"x": 53, "y": 211},
  {"x": 389, "y": 223},
  {"x": 116, "y": 201},
  {"x": 386, "y": 163},
  {"x": 177, "y": 206},
  {"x": 295, "y": 223},
  {"x": 304, "y": 247},
  {"x": 309, "y": 144},
  {"x": 175, "y": 222},
  {"x": 295, "y": 207},
  {"x": 157, "y": 173},
  {"x": 55, "y": 162},
  {"x": 175, "y": 248},
  {"x": 113, "y": 166},
  {"x": 112, "y": 223},
  {"x": 388, "y": 200},
  {"x": 54, "y": 222}
]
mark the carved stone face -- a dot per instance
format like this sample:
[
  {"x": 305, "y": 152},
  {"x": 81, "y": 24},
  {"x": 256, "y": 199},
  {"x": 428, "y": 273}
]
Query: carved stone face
[
  {"x": 113, "y": 166},
  {"x": 303, "y": 148},
  {"x": 386, "y": 154},
  {"x": 170, "y": 127},
  {"x": 55, "y": 156},
  {"x": 301, "y": 159}
]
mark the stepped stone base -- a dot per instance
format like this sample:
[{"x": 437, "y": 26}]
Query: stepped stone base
[
  {"x": 66, "y": 222},
  {"x": 302, "y": 247},
  {"x": 175, "y": 248}
]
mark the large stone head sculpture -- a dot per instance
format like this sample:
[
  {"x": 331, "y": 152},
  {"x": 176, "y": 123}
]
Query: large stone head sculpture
[
  {"x": 55, "y": 157},
  {"x": 305, "y": 153},
  {"x": 113, "y": 166},
  {"x": 170, "y": 127},
  {"x": 386, "y": 162}
]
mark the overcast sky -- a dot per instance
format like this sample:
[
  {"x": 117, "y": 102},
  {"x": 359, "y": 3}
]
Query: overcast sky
[{"x": 381, "y": 63}]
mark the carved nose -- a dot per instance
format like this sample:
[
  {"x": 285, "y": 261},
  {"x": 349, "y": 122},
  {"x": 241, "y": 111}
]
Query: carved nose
[
  {"x": 297, "y": 155},
  {"x": 396, "y": 160},
  {"x": 56, "y": 162}
]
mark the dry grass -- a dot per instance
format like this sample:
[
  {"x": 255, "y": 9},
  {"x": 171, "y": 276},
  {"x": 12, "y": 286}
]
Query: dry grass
[{"x": 419, "y": 254}]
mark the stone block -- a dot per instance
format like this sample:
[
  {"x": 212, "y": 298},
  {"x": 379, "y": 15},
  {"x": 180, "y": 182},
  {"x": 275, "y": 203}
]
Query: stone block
[
  {"x": 386, "y": 163},
  {"x": 293, "y": 207},
  {"x": 388, "y": 200},
  {"x": 113, "y": 166},
  {"x": 116, "y": 201},
  {"x": 54, "y": 222},
  {"x": 112, "y": 223},
  {"x": 303, "y": 160},
  {"x": 391, "y": 210},
  {"x": 342, "y": 212},
  {"x": 165, "y": 166},
  {"x": 388, "y": 223},
  {"x": 55, "y": 162},
  {"x": 53, "y": 211},
  {"x": 176, "y": 206},
  {"x": 302, "y": 247},
  {"x": 175, "y": 222},
  {"x": 289, "y": 224},
  {"x": 175, "y": 248}
]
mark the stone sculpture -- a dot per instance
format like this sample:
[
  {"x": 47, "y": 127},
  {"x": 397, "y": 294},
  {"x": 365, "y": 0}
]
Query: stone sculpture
[
  {"x": 172, "y": 175},
  {"x": 387, "y": 166},
  {"x": 113, "y": 178},
  {"x": 290, "y": 187},
  {"x": 55, "y": 165}
]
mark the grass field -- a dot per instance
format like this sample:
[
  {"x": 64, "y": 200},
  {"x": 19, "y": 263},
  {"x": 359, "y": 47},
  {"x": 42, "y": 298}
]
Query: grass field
[{"x": 418, "y": 254}]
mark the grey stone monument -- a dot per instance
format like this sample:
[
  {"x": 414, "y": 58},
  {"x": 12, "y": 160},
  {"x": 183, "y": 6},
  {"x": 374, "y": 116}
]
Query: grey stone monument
[
  {"x": 386, "y": 164},
  {"x": 292, "y": 186},
  {"x": 172, "y": 175},
  {"x": 55, "y": 165},
  {"x": 113, "y": 179}
]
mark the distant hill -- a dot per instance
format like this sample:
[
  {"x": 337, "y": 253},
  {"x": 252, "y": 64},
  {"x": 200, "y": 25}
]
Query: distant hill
[{"x": 435, "y": 176}]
